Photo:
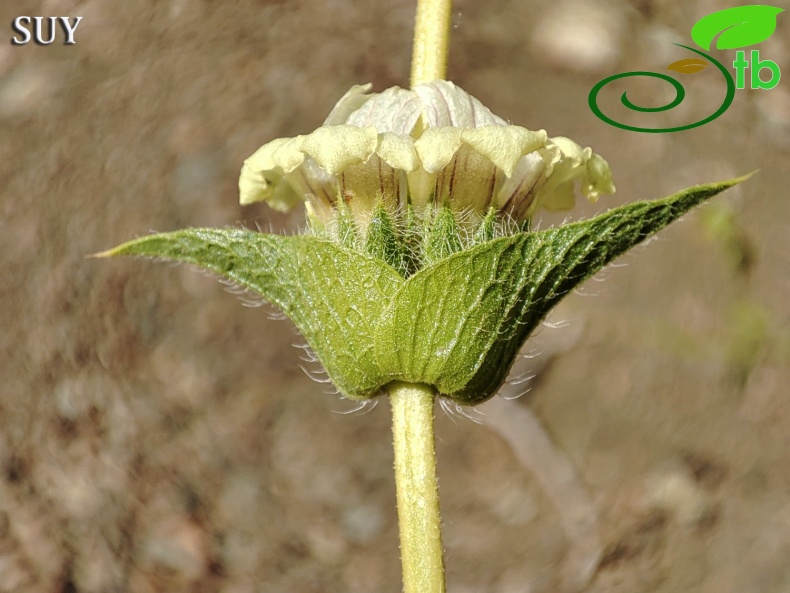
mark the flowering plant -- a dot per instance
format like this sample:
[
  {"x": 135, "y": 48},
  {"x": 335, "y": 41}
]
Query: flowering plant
[
  {"x": 419, "y": 274},
  {"x": 419, "y": 265}
]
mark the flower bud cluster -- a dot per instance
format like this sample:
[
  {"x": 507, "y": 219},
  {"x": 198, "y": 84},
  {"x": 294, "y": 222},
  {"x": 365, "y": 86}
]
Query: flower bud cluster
[{"x": 409, "y": 154}]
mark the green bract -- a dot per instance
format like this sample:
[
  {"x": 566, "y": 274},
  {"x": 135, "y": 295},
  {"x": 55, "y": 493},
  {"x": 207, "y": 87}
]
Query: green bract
[
  {"x": 420, "y": 267},
  {"x": 456, "y": 323}
]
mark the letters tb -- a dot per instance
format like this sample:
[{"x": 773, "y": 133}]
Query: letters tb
[
  {"x": 741, "y": 64},
  {"x": 21, "y": 25}
]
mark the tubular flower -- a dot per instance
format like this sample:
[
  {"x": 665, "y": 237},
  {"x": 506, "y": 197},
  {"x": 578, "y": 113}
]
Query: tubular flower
[{"x": 434, "y": 145}]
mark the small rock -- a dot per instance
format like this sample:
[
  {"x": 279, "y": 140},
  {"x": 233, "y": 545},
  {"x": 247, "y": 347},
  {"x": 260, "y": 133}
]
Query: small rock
[
  {"x": 177, "y": 550},
  {"x": 676, "y": 492}
]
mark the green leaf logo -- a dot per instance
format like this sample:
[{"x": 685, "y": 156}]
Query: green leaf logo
[{"x": 736, "y": 27}]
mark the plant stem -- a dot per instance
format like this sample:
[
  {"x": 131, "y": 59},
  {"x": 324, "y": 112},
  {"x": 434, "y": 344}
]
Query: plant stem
[
  {"x": 431, "y": 40},
  {"x": 422, "y": 556},
  {"x": 417, "y": 490}
]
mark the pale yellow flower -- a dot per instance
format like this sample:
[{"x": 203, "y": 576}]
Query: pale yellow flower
[{"x": 434, "y": 144}]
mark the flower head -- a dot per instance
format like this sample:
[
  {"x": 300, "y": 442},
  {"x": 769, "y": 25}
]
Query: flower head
[{"x": 433, "y": 145}]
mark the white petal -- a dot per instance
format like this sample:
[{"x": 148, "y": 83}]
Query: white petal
[
  {"x": 393, "y": 110},
  {"x": 445, "y": 105},
  {"x": 517, "y": 194},
  {"x": 504, "y": 145},
  {"x": 437, "y": 146},
  {"x": 253, "y": 185},
  {"x": 600, "y": 178},
  {"x": 282, "y": 153},
  {"x": 397, "y": 150},
  {"x": 355, "y": 98},
  {"x": 311, "y": 182},
  {"x": 421, "y": 186},
  {"x": 575, "y": 163},
  {"x": 262, "y": 173},
  {"x": 366, "y": 184},
  {"x": 257, "y": 186},
  {"x": 569, "y": 148},
  {"x": 468, "y": 182},
  {"x": 336, "y": 147}
]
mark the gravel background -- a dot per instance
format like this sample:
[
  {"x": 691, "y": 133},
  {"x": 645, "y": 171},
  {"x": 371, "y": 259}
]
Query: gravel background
[{"x": 155, "y": 435}]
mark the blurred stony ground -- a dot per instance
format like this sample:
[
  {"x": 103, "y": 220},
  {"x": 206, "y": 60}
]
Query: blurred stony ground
[{"x": 155, "y": 435}]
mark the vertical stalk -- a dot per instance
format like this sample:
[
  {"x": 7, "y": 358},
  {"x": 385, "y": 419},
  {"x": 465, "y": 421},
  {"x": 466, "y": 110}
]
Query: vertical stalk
[
  {"x": 422, "y": 556},
  {"x": 417, "y": 491},
  {"x": 431, "y": 41}
]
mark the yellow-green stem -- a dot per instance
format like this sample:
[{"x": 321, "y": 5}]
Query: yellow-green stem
[
  {"x": 431, "y": 40},
  {"x": 417, "y": 491},
  {"x": 419, "y": 520}
]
